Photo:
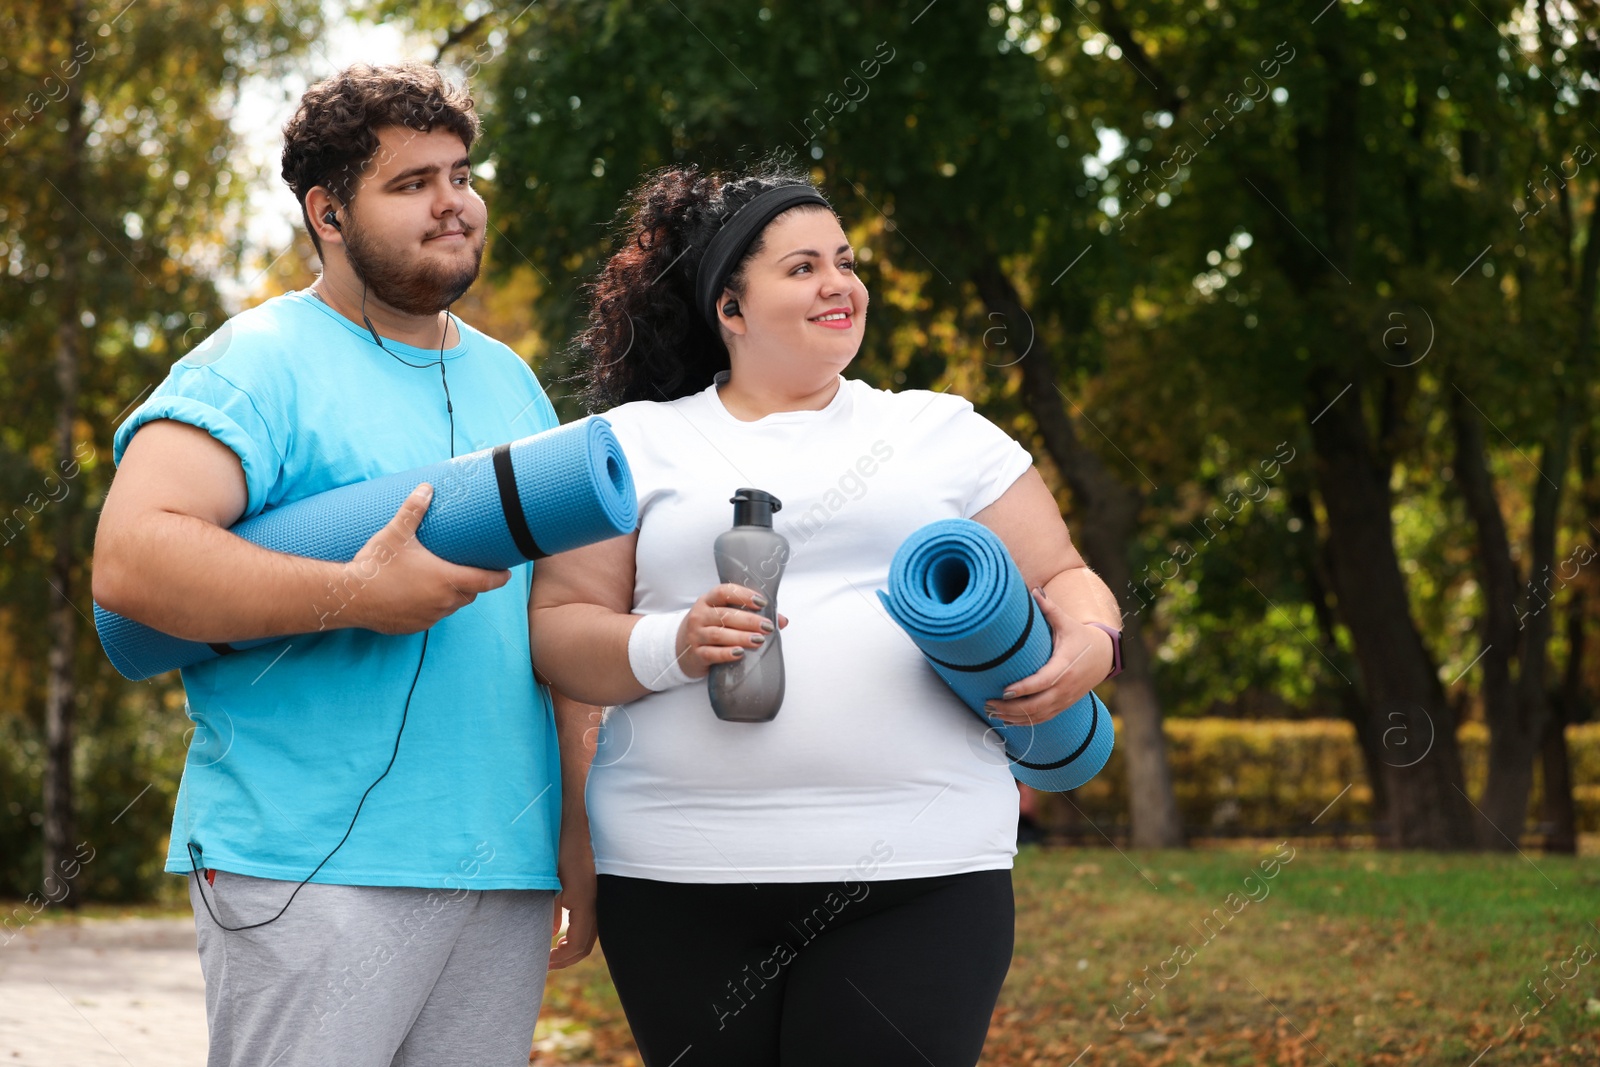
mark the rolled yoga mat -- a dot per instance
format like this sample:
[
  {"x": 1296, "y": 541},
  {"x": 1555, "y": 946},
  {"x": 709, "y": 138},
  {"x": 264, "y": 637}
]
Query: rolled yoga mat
[
  {"x": 494, "y": 509},
  {"x": 955, "y": 590}
]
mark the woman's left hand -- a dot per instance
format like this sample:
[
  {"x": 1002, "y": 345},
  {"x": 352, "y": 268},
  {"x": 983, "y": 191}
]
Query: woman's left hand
[{"x": 1080, "y": 660}]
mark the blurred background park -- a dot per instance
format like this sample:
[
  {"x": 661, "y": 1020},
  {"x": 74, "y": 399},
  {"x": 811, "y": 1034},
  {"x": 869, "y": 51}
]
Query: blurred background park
[{"x": 1294, "y": 305}]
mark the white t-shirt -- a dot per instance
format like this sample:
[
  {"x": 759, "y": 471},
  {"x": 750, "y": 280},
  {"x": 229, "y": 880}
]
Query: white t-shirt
[{"x": 872, "y": 766}]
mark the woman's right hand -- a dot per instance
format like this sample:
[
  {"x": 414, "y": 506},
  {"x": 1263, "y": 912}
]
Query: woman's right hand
[{"x": 724, "y": 622}]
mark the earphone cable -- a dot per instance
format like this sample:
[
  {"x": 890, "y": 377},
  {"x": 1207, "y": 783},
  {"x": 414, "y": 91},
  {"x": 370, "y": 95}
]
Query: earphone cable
[
  {"x": 422, "y": 657},
  {"x": 404, "y": 713}
]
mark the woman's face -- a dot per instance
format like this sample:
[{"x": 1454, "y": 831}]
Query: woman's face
[{"x": 803, "y": 309}]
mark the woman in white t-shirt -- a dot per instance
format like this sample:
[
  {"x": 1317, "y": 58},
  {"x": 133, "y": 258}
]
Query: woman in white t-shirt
[{"x": 832, "y": 886}]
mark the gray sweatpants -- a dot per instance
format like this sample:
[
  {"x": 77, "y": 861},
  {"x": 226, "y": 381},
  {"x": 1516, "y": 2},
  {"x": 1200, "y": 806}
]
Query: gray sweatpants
[{"x": 371, "y": 976}]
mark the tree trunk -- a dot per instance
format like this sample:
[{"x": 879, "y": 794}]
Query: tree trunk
[
  {"x": 1108, "y": 513},
  {"x": 1314, "y": 563},
  {"x": 1152, "y": 805},
  {"x": 1514, "y": 740},
  {"x": 61, "y": 694},
  {"x": 1557, "y": 810},
  {"x": 1506, "y": 627},
  {"x": 1421, "y": 762},
  {"x": 1426, "y": 806}
]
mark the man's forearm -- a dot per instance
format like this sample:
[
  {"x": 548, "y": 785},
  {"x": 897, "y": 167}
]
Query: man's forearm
[
  {"x": 577, "y": 732},
  {"x": 191, "y": 579}
]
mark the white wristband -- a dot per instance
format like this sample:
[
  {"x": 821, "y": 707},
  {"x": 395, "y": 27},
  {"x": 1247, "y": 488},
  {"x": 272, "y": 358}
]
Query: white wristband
[{"x": 653, "y": 651}]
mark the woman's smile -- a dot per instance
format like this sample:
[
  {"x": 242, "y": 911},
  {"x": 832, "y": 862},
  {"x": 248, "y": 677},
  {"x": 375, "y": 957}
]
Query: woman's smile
[{"x": 836, "y": 319}]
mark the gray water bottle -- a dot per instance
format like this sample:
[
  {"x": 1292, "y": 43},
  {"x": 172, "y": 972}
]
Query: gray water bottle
[{"x": 752, "y": 554}]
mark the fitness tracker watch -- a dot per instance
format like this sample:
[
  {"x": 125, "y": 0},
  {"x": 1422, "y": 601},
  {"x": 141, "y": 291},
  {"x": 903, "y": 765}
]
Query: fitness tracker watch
[{"x": 1116, "y": 649}]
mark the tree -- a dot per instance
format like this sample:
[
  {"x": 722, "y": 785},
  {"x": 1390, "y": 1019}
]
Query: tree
[
  {"x": 1203, "y": 225},
  {"x": 118, "y": 180},
  {"x": 882, "y": 103},
  {"x": 1355, "y": 191},
  {"x": 1551, "y": 293}
]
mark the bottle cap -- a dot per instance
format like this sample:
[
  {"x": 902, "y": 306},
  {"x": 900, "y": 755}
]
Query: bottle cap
[{"x": 754, "y": 507}]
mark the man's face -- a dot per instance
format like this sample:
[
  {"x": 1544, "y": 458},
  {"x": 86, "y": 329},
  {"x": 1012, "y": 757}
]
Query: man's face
[{"x": 415, "y": 229}]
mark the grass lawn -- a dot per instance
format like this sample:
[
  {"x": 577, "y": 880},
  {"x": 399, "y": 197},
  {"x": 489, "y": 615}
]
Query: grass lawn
[{"x": 1341, "y": 957}]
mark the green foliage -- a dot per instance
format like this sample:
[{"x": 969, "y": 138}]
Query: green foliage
[
  {"x": 1198, "y": 205},
  {"x": 128, "y": 766},
  {"x": 592, "y": 96},
  {"x": 120, "y": 204}
]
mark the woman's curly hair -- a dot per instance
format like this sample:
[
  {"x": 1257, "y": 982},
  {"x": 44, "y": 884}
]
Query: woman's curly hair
[
  {"x": 333, "y": 140},
  {"x": 645, "y": 338}
]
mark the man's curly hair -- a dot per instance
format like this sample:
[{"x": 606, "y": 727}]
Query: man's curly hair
[{"x": 333, "y": 140}]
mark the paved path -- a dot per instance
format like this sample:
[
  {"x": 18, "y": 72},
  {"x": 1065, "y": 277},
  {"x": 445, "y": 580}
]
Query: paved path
[{"x": 102, "y": 993}]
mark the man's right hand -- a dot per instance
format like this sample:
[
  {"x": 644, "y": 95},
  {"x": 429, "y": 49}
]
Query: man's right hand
[
  {"x": 396, "y": 586},
  {"x": 164, "y": 555}
]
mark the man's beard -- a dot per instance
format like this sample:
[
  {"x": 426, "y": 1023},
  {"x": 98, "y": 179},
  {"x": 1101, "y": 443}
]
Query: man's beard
[{"x": 407, "y": 283}]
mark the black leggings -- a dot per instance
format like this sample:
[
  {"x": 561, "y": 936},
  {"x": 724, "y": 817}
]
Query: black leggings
[{"x": 905, "y": 971}]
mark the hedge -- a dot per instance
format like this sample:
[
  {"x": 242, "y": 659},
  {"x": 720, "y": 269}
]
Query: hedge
[
  {"x": 1238, "y": 777},
  {"x": 1231, "y": 776}
]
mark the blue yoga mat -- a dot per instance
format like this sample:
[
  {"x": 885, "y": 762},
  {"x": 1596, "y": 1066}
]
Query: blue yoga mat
[
  {"x": 494, "y": 509},
  {"x": 955, "y": 590}
]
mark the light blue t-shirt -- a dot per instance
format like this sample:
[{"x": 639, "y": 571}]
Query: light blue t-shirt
[{"x": 289, "y": 735}]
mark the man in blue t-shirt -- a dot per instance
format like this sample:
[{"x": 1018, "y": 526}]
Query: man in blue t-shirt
[{"x": 370, "y": 814}]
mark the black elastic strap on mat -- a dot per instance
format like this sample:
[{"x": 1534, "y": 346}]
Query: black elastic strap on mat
[
  {"x": 1094, "y": 719},
  {"x": 1002, "y": 657},
  {"x": 220, "y": 648},
  {"x": 1094, "y": 724},
  {"x": 511, "y": 504}
]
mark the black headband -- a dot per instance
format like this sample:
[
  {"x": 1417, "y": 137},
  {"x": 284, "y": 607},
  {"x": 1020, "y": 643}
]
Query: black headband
[{"x": 738, "y": 230}]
